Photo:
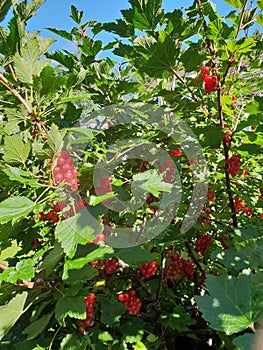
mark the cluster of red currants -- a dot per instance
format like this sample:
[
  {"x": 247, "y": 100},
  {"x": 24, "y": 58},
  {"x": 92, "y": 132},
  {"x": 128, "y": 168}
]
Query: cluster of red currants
[
  {"x": 240, "y": 204},
  {"x": 233, "y": 165},
  {"x": 210, "y": 80},
  {"x": 65, "y": 171},
  {"x": 132, "y": 303},
  {"x": 203, "y": 242},
  {"x": 175, "y": 152},
  {"x": 178, "y": 267},
  {"x": 148, "y": 269},
  {"x": 84, "y": 325},
  {"x": 109, "y": 266},
  {"x": 105, "y": 187}
]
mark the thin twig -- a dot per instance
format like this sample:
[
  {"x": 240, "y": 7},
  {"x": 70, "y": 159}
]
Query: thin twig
[
  {"x": 5, "y": 82},
  {"x": 161, "y": 280},
  {"x": 3, "y": 267},
  {"x": 194, "y": 258},
  {"x": 178, "y": 76},
  {"x": 142, "y": 284}
]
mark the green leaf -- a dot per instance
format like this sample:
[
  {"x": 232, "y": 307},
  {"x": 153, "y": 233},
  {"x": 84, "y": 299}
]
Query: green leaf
[
  {"x": 19, "y": 175},
  {"x": 5, "y": 5},
  {"x": 75, "y": 98},
  {"x": 242, "y": 45},
  {"x": 111, "y": 312},
  {"x": 24, "y": 270},
  {"x": 232, "y": 259},
  {"x": 14, "y": 117},
  {"x": 250, "y": 148},
  {"x": 120, "y": 28},
  {"x": 11, "y": 312},
  {"x": 231, "y": 305},
  {"x": 26, "y": 10},
  {"x": 132, "y": 329},
  {"x": 37, "y": 327},
  {"x": 145, "y": 14},
  {"x": 28, "y": 63},
  {"x": 235, "y": 3},
  {"x": 72, "y": 306},
  {"x": 210, "y": 136},
  {"x": 9, "y": 253},
  {"x": 245, "y": 342},
  {"x": 66, "y": 59},
  {"x": 6, "y": 230},
  {"x": 48, "y": 83},
  {"x": 74, "y": 341},
  {"x": 54, "y": 143},
  {"x": 151, "y": 182},
  {"x": 76, "y": 15},
  {"x": 178, "y": 319},
  {"x": 260, "y": 4},
  {"x": 73, "y": 231},
  {"x": 52, "y": 258},
  {"x": 77, "y": 264},
  {"x": 105, "y": 336},
  {"x": 62, "y": 33},
  {"x": 84, "y": 274},
  {"x": 218, "y": 30},
  {"x": 163, "y": 55},
  {"x": 15, "y": 208},
  {"x": 191, "y": 57},
  {"x": 91, "y": 47},
  {"x": 135, "y": 256},
  {"x": 15, "y": 150}
]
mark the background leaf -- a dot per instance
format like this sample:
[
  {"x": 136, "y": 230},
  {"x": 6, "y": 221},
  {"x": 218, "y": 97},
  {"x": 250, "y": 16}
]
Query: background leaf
[
  {"x": 225, "y": 308},
  {"x": 15, "y": 208},
  {"x": 71, "y": 232},
  {"x": 15, "y": 150},
  {"x": 37, "y": 327},
  {"x": 11, "y": 312}
]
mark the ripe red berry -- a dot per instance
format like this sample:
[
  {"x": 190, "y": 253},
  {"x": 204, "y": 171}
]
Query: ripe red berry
[
  {"x": 41, "y": 216},
  {"x": 211, "y": 83},
  {"x": 205, "y": 70},
  {"x": 61, "y": 161}
]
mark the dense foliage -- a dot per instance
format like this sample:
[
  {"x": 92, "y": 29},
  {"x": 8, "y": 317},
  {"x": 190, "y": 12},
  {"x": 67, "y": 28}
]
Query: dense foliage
[{"x": 100, "y": 147}]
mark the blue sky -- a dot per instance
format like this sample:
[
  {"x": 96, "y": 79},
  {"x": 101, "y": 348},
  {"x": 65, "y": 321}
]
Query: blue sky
[{"x": 55, "y": 13}]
